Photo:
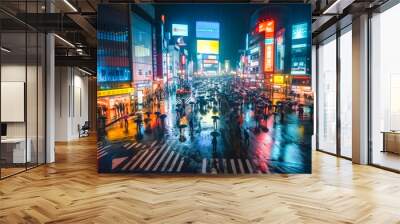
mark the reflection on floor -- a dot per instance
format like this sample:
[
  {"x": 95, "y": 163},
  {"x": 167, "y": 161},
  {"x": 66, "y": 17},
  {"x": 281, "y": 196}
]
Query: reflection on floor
[
  {"x": 387, "y": 159},
  {"x": 11, "y": 169}
]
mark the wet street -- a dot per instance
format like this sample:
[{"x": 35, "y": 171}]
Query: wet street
[{"x": 218, "y": 127}]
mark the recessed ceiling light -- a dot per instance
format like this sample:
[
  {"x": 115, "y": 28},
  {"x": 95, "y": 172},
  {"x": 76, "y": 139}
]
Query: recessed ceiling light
[
  {"x": 70, "y": 5},
  {"x": 5, "y": 50},
  {"x": 64, "y": 40},
  {"x": 84, "y": 71}
]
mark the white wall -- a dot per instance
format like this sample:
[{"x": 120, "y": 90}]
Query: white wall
[
  {"x": 34, "y": 125},
  {"x": 71, "y": 102}
]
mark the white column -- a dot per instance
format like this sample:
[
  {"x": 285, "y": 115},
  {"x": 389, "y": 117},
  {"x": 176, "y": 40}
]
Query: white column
[
  {"x": 50, "y": 92},
  {"x": 360, "y": 90},
  {"x": 50, "y": 100}
]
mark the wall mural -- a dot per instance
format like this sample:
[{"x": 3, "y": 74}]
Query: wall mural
[{"x": 219, "y": 89}]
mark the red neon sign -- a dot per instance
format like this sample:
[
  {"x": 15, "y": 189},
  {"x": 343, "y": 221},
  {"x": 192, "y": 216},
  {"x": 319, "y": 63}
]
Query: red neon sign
[
  {"x": 269, "y": 28},
  {"x": 163, "y": 18}
]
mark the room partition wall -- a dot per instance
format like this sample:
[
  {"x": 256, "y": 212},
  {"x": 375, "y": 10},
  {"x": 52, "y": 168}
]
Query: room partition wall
[{"x": 22, "y": 77}]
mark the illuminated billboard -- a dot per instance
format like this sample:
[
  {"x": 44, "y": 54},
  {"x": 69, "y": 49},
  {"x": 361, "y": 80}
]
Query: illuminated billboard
[
  {"x": 299, "y": 31},
  {"x": 180, "y": 30},
  {"x": 269, "y": 28},
  {"x": 280, "y": 50},
  {"x": 300, "y": 49},
  {"x": 299, "y": 65},
  {"x": 207, "y": 46},
  {"x": 207, "y": 30}
]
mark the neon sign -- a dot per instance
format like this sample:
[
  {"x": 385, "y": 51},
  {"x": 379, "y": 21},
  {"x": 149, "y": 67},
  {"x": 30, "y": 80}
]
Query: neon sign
[{"x": 269, "y": 28}]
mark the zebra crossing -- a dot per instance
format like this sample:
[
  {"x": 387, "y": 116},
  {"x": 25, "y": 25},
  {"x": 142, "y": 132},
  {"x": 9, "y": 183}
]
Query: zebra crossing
[
  {"x": 164, "y": 157},
  {"x": 157, "y": 157},
  {"x": 234, "y": 166},
  {"x": 188, "y": 99},
  {"x": 103, "y": 150}
]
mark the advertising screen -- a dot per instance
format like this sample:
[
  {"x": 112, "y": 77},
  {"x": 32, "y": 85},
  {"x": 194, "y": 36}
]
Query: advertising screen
[
  {"x": 207, "y": 46},
  {"x": 207, "y": 30},
  {"x": 299, "y": 31},
  {"x": 180, "y": 30},
  {"x": 300, "y": 50},
  {"x": 269, "y": 46},
  {"x": 280, "y": 50},
  {"x": 299, "y": 66}
]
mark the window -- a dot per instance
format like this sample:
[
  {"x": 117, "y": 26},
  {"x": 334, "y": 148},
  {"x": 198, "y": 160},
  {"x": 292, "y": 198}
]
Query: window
[
  {"x": 346, "y": 93},
  {"x": 385, "y": 89},
  {"x": 327, "y": 96}
]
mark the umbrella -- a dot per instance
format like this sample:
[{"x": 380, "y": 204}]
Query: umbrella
[
  {"x": 215, "y": 117},
  {"x": 214, "y": 134}
]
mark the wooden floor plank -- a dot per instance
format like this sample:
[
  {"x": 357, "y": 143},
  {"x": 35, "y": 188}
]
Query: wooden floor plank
[{"x": 71, "y": 191}]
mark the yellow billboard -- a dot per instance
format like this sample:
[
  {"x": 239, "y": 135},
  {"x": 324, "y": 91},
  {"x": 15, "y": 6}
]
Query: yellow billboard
[
  {"x": 279, "y": 79},
  {"x": 113, "y": 92},
  {"x": 207, "y": 46}
]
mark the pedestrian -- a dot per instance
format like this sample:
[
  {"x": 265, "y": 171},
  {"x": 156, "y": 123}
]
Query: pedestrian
[
  {"x": 214, "y": 144},
  {"x": 191, "y": 125},
  {"x": 246, "y": 137},
  {"x": 126, "y": 116},
  {"x": 282, "y": 111},
  {"x": 301, "y": 112}
]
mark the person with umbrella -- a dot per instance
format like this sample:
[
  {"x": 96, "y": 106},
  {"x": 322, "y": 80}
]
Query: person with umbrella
[
  {"x": 191, "y": 125},
  {"x": 214, "y": 142},
  {"x": 246, "y": 136}
]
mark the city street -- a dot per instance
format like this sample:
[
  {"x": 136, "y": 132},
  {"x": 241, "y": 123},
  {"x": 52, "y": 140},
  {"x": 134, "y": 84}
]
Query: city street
[{"x": 219, "y": 127}]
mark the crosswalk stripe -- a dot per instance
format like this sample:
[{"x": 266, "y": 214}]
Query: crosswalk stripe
[
  {"x": 105, "y": 147},
  {"x": 180, "y": 165},
  {"x": 167, "y": 161},
  {"x": 131, "y": 146},
  {"x": 140, "y": 159},
  {"x": 225, "y": 166},
  {"x": 203, "y": 170},
  {"x": 217, "y": 164},
  {"x": 162, "y": 158},
  {"x": 147, "y": 158},
  {"x": 249, "y": 166},
  {"x": 173, "y": 162},
  {"x": 132, "y": 160},
  {"x": 233, "y": 166},
  {"x": 126, "y": 144},
  {"x": 155, "y": 157},
  {"x": 102, "y": 154},
  {"x": 241, "y": 166},
  {"x": 152, "y": 144}
]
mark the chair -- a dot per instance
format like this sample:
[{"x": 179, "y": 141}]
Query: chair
[{"x": 84, "y": 130}]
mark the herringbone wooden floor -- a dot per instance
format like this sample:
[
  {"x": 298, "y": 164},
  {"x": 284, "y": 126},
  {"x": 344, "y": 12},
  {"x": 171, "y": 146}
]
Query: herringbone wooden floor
[{"x": 71, "y": 191}]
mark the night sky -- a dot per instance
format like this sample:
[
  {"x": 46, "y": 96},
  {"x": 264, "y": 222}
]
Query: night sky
[{"x": 234, "y": 22}]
